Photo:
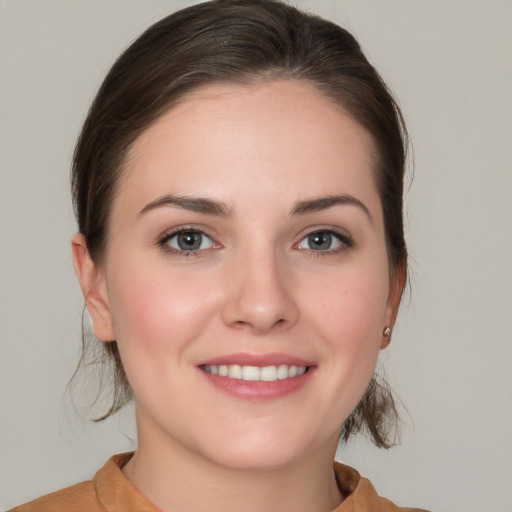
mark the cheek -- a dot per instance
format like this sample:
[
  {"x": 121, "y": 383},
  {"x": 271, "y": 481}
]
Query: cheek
[
  {"x": 154, "y": 308},
  {"x": 350, "y": 319},
  {"x": 352, "y": 303},
  {"x": 157, "y": 315},
  {"x": 349, "y": 313}
]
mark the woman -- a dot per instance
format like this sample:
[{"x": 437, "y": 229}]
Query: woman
[{"x": 238, "y": 190}]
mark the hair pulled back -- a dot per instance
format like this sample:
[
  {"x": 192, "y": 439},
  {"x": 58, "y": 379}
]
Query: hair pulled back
[{"x": 243, "y": 42}]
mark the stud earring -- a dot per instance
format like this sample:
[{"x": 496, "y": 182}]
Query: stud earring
[{"x": 386, "y": 332}]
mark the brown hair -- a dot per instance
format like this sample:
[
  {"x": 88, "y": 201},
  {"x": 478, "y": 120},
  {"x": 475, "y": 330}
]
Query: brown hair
[{"x": 244, "y": 42}]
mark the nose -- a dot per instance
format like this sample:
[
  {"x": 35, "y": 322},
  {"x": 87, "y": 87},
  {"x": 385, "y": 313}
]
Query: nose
[{"x": 260, "y": 296}]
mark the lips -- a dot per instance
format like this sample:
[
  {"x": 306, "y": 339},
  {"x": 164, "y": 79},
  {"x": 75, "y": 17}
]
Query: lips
[{"x": 255, "y": 376}]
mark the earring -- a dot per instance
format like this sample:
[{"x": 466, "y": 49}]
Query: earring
[{"x": 386, "y": 332}]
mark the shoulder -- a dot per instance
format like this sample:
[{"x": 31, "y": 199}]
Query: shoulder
[
  {"x": 360, "y": 495},
  {"x": 79, "y": 498},
  {"x": 104, "y": 492}
]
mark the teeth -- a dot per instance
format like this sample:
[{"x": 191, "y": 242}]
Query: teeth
[
  {"x": 268, "y": 373},
  {"x": 234, "y": 371},
  {"x": 255, "y": 373},
  {"x": 282, "y": 371}
]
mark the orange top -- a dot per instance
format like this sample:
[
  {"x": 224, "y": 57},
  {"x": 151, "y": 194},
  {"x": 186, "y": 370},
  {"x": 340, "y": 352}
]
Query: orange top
[{"x": 111, "y": 491}]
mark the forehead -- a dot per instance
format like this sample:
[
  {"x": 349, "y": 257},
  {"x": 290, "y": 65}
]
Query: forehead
[{"x": 232, "y": 141}]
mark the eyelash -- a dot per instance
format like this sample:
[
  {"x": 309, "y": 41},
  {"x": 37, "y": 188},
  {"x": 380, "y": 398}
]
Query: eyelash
[
  {"x": 163, "y": 241},
  {"x": 346, "y": 242}
]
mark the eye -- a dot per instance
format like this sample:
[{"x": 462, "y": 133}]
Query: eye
[
  {"x": 188, "y": 240},
  {"x": 324, "y": 241}
]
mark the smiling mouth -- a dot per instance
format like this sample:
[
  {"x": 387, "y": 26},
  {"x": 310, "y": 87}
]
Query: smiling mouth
[{"x": 256, "y": 373}]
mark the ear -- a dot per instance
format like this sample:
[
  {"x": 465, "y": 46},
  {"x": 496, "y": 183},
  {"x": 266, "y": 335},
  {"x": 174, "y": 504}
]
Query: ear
[
  {"x": 396, "y": 287},
  {"x": 94, "y": 287}
]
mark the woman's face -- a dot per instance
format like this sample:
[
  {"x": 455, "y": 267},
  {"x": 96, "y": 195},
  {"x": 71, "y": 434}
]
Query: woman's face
[{"x": 246, "y": 238}]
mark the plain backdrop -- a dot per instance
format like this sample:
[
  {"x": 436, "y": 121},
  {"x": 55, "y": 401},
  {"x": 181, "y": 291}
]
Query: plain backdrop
[{"x": 449, "y": 64}]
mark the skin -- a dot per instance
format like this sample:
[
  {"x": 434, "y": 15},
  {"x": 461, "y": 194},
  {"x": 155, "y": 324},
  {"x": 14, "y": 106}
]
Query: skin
[{"x": 256, "y": 286}]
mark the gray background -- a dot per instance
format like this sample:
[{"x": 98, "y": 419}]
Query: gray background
[{"x": 449, "y": 63}]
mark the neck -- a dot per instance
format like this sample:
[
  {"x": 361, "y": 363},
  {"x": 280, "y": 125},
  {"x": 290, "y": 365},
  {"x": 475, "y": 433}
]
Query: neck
[{"x": 178, "y": 480}]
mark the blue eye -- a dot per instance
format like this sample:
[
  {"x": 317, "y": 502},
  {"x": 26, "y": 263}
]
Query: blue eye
[
  {"x": 324, "y": 241},
  {"x": 188, "y": 241}
]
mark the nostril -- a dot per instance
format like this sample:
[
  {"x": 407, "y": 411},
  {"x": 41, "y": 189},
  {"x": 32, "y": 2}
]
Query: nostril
[{"x": 259, "y": 325}]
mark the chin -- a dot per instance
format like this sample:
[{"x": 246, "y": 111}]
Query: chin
[
  {"x": 248, "y": 458},
  {"x": 262, "y": 451}
]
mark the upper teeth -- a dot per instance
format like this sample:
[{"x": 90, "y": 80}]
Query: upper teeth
[{"x": 265, "y": 373}]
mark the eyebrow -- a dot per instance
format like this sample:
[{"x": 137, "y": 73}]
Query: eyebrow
[
  {"x": 322, "y": 203},
  {"x": 218, "y": 208},
  {"x": 193, "y": 204}
]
